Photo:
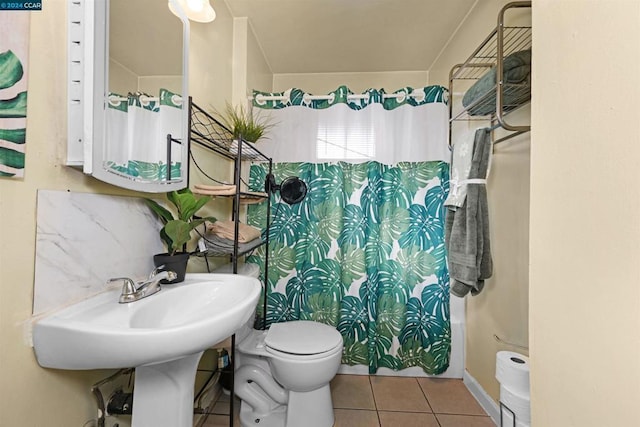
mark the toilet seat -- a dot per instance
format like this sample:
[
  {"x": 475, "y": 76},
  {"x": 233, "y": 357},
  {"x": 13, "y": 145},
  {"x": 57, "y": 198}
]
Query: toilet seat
[
  {"x": 301, "y": 357},
  {"x": 302, "y": 338}
]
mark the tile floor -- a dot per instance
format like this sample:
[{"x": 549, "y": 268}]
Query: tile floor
[{"x": 378, "y": 401}]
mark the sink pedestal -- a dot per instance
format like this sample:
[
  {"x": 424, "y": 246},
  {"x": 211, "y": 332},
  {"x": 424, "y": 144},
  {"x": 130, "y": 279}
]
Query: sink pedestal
[{"x": 163, "y": 393}]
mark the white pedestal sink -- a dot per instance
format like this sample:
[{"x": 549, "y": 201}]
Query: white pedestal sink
[{"x": 163, "y": 336}]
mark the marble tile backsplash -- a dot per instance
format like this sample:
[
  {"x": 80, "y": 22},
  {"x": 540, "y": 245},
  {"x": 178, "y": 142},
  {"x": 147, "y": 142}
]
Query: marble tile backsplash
[{"x": 84, "y": 239}]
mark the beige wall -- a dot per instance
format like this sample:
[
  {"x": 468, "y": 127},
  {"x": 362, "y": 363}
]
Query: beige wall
[
  {"x": 33, "y": 396},
  {"x": 153, "y": 84},
  {"x": 502, "y": 308},
  {"x": 121, "y": 79},
  {"x": 323, "y": 83},
  {"x": 250, "y": 67},
  {"x": 259, "y": 74},
  {"x": 585, "y": 214}
]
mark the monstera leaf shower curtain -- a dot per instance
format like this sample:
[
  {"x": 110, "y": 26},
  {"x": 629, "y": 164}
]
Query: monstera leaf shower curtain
[{"x": 364, "y": 252}]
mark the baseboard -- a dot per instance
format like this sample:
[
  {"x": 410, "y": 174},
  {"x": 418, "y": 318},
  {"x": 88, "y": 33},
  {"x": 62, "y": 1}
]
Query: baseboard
[{"x": 487, "y": 403}]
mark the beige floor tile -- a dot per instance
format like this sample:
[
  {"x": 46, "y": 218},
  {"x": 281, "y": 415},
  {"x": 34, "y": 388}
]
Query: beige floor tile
[
  {"x": 352, "y": 392},
  {"x": 464, "y": 421},
  {"x": 407, "y": 419},
  {"x": 398, "y": 394},
  {"x": 449, "y": 396},
  {"x": 355, "y": 418}
]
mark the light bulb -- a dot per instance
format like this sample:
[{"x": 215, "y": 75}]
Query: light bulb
[
  {"x": 195, "y": 5},
  {"x": 196, "y": 10}
]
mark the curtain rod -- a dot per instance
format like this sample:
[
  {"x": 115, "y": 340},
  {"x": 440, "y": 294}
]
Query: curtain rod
[{"x": 261, "y": 97}]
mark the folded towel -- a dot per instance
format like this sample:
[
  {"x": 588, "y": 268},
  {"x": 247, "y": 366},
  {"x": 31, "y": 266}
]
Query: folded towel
[
  {"x": 259, "y": 196},
  {"x": 215, "y": 190},
  {"x": 460, "y": 167},
  {"x": 467, "y": 228},
  {"x": 480, "y": 99},
  {"x": 227, "y": 190},
  {"x": 226, "y": 230},
  {"x": 248, "y": 200},
  {"x": 215, "y": 245}
]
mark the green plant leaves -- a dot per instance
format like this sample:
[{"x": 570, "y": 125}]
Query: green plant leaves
[
  {"x": 244, "y": 122},
  {"x": 186, "y": 203},
  {"x": 177, "y": 231},
  {"x": 162, "y": 213}
]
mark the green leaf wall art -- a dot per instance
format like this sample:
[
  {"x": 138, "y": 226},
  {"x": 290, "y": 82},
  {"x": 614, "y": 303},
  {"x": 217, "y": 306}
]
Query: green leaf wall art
[{"x": 13, "y": 94}]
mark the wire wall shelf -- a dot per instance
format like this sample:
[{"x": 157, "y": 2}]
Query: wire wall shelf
[
  {"x": 206, "y": 131},
  {"x": 498, "y": 100}
]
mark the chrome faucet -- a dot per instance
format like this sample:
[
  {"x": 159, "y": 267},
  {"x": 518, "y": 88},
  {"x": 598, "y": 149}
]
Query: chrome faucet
[{"x": 133, "y": 292}]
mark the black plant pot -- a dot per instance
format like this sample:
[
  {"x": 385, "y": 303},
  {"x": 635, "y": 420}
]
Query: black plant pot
[{"x": 176, "y": 263}]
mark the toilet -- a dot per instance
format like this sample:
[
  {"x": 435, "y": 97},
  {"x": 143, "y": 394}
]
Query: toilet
[{"x": 282, "y": 374}]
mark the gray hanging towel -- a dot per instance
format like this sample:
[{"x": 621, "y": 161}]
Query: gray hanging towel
[{"x": 467, "y": 227}]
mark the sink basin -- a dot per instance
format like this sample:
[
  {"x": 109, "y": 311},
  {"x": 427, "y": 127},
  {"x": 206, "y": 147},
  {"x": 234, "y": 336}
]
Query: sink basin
[
  {"x": 181, "y": 319},
  {"x": 162, "y": 336}
]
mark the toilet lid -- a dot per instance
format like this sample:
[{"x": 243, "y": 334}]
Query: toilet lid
[{"x": 302, "y": 337}]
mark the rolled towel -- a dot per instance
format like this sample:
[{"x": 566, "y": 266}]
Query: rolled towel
[
  {"x": 226, "y": 230},
  {"x": 480, "y": 98},
  {"x": 228, "y": 190}
]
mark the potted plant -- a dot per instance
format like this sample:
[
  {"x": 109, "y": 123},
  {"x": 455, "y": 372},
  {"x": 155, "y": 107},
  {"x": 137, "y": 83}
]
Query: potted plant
[
  {"x": 244, "y": 122},
  {"x": 176, "y": 231}
]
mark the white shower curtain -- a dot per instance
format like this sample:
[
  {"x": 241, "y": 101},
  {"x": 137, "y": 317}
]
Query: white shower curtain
[
  {"x": 388, "y": 130},
  {"x": 137, "y": 128}
]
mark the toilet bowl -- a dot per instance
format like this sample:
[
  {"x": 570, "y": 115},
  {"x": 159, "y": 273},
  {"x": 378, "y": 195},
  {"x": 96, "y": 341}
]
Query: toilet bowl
[{"x": 283, "y": 375}]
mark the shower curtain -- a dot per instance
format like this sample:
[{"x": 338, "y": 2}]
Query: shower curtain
[
  {"x": 364, "y": 252},
  {"x": 137, "y": 128}
]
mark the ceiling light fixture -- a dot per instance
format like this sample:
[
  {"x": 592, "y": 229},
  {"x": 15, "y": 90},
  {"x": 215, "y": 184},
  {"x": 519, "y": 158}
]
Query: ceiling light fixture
[{"x": 196, "y": 10}]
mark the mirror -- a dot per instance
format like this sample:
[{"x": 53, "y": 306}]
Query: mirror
[{"x": 135, "y": 135}]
